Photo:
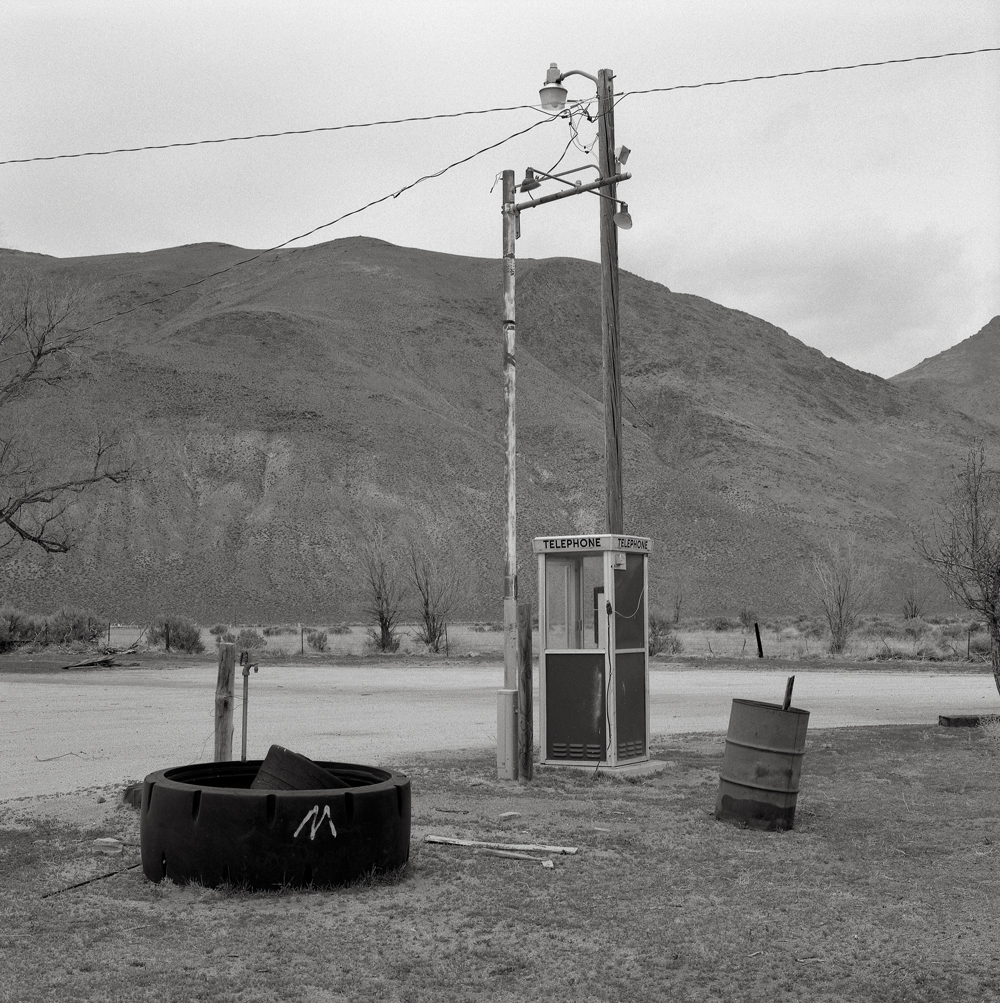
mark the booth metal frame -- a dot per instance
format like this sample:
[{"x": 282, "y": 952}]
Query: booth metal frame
[{"x": 570, "y": 676}]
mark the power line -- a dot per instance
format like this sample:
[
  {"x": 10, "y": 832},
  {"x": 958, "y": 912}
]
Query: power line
[
  {"x": 803, "y": 73},
  {"x": 315, "y": 229},
  {"x": 268, "y": 135},
  {"x": 484, "y": 111}
]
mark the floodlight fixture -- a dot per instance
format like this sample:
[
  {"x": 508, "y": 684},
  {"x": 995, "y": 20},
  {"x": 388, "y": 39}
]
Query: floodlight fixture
[
  {"x": 622, "y": 219},
  {"x": 530, "y": 182}
]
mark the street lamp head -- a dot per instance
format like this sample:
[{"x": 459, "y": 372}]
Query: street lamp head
[
  {"x": 530, "y": 182},
  {"x": 553, "y": 94},
  {"x": 622, "y": 219}
]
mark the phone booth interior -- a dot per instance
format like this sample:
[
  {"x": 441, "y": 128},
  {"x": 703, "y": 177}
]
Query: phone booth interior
[{"x": 593, "y": 664}]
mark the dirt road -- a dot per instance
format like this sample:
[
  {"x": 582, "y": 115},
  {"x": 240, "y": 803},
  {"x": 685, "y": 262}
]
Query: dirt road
[{"x": 62, "y": 732}]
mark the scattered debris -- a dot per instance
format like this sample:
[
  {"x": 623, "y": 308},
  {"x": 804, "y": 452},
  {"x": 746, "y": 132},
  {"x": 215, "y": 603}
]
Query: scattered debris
[
  {"x": 512, "y": 854},
  {"x": 107, "y": 661},
  {"x": 959, "y": 720},
  {"x": 454, "y": 811},
  {"x": 284, "y": 770},
  {"x": 478, "y": 782},
  {"x": 598, "y": 828},
  {"x": 803, "y": 961},
  {"x": 62, "y": 755},
  {"x": 109, "y": 845},
  {"x": 132, "y": 795},
  {"x": 548, "y": 863},
  {"x": 102, "y": 800},
  {"x": 90, "y": 881},
  {"x": 509, "y": 814},
  {"x": 452, "y": 841}
]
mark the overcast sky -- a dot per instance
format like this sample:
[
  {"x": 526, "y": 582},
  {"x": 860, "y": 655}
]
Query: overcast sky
[{"x": 858, "y": 210}]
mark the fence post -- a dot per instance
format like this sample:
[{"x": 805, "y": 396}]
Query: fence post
[{"x": 224, "y": 703}]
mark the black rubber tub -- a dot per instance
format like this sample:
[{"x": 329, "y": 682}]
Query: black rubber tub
[{"x": 203, "y": 823}]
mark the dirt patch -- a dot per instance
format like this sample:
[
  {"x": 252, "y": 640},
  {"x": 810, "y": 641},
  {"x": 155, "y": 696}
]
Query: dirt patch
[{"x": 857, "y": 902}]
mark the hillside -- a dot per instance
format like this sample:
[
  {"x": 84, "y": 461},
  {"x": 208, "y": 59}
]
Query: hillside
[
  {"x": 276, "y": 408},
  {"x": 965, "y": 377}
]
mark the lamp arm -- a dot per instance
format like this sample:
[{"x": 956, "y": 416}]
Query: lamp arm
[{"x": 578, "y": 73}]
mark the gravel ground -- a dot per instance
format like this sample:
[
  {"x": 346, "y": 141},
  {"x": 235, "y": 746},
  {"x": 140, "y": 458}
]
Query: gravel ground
[{"x": 65, "y": 732}]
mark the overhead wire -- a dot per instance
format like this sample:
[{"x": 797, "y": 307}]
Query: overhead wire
[
  {"x": 578, "y": 107},
  {"x": 488, "y": 111},
  {"x": 316, "y": 229},
  {"x": 804, "y": 73},
  {"x": 271, "y": 135}
]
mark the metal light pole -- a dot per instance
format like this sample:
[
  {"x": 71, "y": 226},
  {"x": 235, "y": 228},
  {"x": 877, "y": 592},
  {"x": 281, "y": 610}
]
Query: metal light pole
[
  {"x": 507, "y": 698},
  {"x": 510, "y": 436}
]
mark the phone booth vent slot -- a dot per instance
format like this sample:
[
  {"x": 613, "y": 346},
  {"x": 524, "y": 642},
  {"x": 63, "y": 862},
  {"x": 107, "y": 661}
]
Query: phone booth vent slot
[
  {"x": 575, "y": 750},
  {"x": 628, "y": 750},
  {"x": 594, "y": 752},
  {"x": 559, "y": 750}
]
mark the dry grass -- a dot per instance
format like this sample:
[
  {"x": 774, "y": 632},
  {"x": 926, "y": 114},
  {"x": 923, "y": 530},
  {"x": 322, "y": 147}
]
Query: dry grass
[
  {"x": 464, "y": 640},
  {"x": 885, "y": 891}
]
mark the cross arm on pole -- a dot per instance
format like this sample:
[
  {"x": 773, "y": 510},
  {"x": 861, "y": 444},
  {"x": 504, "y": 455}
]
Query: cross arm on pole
[{"x": 601, "y": 183}]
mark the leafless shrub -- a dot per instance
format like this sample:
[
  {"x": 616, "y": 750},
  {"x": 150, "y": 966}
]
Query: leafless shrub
[
  {"x": 176, "y": 633},
  {"x": 842, "y": 584},
  {"x": 385, "y": 590},
  {"x": 249, "y": 640},
  {"x": 438, "y": 584},
  {"x": 318, "y": 640},
  {"x": 962, "y": 544}
]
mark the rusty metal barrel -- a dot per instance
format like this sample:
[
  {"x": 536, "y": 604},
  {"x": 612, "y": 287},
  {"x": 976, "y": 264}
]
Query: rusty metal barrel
[{"x": 759, "y": 779}]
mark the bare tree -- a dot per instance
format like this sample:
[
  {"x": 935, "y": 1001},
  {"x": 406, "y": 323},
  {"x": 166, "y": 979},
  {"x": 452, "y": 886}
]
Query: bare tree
[
  {"x": 678, "y": 601},
  {"x": 385, "y": 590},
  {"x": 37, "y": 349},
  {"x": 962, "y": 544},
  {"x": 842, "y": 584},
  {"x": 439, "y": 586}
]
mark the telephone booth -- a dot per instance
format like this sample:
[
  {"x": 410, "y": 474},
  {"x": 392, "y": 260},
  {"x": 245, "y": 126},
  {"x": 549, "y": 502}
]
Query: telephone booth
[{"x": 594, "y": 638}]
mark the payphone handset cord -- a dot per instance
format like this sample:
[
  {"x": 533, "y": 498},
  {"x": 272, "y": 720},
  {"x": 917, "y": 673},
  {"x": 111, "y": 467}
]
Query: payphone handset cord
[
  {"x": 637, "y": 608},
  {"x": 609, "y": 611}
]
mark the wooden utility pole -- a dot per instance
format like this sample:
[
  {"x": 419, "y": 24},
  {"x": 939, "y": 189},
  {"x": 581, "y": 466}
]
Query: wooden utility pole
[
  {"x": 615, "y": 518},
  {"x": 224, "y": 703}
]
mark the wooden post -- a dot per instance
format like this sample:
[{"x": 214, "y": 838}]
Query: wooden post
[
  {"x": 525, "y": 713},
  {"x": 507, "y": 734},
  {"x": 224, "y": 703},
  {"x": 615, "y": 517},
  {"x": 760, "y": 646}
]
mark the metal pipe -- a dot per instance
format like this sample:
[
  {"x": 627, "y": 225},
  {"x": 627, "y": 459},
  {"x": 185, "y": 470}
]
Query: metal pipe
[
  {"x": 602, "y": 183},
  {"x": 247, "y": 666}
]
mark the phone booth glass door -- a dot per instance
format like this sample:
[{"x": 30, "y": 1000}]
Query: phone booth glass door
[{"x": 575, "y": 649}]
